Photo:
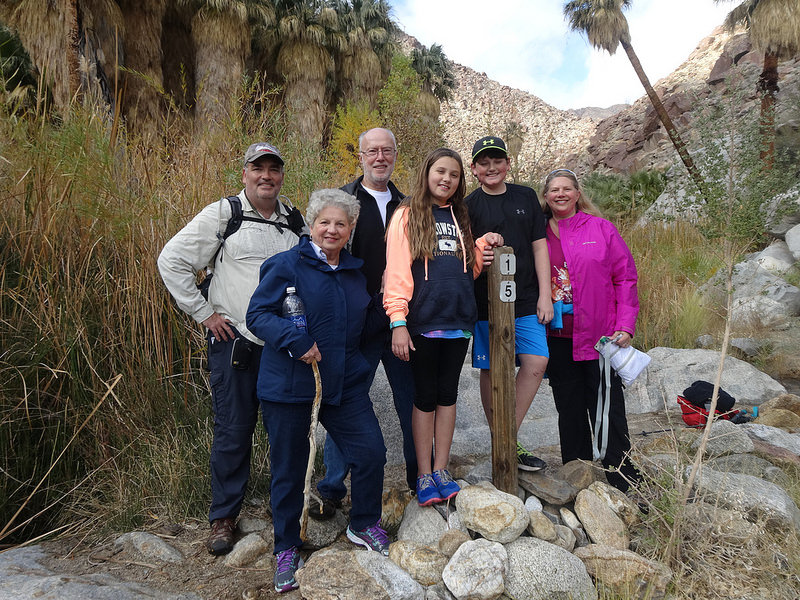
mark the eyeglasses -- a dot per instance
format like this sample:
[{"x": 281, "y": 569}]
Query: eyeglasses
[{"x": 373, "y": 152}]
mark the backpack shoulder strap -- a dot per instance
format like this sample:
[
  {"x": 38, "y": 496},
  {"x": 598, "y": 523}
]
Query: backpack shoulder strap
[
  {"x": 294, "y": 218},
  {"x": 232, "y": 225},
  {"x": 235, "y": 222}
]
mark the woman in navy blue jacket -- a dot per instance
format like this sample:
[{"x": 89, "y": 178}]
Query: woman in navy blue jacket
[{"x": 329, "y": 281}]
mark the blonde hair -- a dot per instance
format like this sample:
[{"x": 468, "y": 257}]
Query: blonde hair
[
  {"x": 421, "y": 230},
  {"x": 584, "y": 203}
]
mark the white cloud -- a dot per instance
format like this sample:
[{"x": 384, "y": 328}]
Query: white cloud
[{"x": 527, "y": 44}]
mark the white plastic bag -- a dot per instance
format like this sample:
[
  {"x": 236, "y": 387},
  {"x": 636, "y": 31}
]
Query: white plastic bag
[{"x": 627, "y": 362}]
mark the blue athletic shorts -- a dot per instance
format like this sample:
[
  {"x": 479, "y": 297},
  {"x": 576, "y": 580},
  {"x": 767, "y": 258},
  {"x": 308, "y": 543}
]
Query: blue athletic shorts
[{"x": 530, "y": 337}]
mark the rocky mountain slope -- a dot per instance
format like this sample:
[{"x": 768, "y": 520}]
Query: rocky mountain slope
[
  {"x": 628, "y": 138},
  {"x": 481, "y": 106}
]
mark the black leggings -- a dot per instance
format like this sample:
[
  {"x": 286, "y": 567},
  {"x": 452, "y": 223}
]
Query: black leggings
[
  {"x": 574, "y": 385},
  {"x": 436, "y": 364}
]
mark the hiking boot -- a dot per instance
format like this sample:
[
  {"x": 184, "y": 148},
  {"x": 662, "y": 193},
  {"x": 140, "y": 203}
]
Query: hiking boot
[
  {"x": 445, "y": 484},
  {"x": 220, "y": 541},
  {"x": 427, "y": 492},
  {"x": 288, "y": 562},
  {"x": 324, "y": 511},
  {"x": 527, "y": 461},
  {"x": 372, "y": 538}
]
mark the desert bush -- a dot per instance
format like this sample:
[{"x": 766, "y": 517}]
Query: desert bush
[
  {"x": 624, "y": 197},
  {"x": 671, "y": 261}
]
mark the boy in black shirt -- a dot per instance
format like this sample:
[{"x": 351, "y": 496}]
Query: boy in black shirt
[{"x": 514, "y": 212}]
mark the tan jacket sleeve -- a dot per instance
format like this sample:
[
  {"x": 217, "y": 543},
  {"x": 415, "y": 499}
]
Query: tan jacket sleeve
[{"x": 185, "y": 254}]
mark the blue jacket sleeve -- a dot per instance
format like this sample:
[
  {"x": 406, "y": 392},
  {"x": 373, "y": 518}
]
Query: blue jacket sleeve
[{"x": 264, "y": 312}]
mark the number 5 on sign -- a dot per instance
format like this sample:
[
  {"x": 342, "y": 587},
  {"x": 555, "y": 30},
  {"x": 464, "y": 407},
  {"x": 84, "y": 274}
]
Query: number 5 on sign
[{"x": 508, "y": 291}]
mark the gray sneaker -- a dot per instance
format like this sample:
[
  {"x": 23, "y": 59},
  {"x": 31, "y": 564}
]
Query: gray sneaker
[
  {"x": 527, "y": 461},
  {"x": 372, "y": 538}
]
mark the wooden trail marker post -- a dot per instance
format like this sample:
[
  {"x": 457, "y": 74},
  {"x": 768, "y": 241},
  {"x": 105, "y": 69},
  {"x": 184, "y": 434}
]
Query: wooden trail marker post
[{"x": 502, "y": 294}]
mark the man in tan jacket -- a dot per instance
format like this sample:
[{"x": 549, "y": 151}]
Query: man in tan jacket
[{"x": 233, "y": 352}]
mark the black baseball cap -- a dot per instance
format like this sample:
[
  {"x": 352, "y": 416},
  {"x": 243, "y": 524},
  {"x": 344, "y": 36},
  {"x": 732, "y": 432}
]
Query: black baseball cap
[{"x": 490, "y": 142}]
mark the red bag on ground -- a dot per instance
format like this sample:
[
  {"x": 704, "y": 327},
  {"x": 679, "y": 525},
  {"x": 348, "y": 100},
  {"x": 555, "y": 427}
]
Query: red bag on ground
[{"x": 695, "y": 416}]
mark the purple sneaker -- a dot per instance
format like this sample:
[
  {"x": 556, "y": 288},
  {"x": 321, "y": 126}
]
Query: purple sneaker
[{"x": 288, "y": 563}]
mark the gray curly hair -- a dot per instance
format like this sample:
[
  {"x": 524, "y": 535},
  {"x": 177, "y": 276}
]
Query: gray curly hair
[{"x": 321, "y": 199}]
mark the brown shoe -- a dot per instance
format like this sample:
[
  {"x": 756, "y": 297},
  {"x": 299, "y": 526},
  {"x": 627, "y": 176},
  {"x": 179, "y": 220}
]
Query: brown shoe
[{"x": 221, "y": 539}]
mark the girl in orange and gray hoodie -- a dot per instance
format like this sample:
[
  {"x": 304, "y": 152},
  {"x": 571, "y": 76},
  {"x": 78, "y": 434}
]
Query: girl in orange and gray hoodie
[{"x": 431, "y": 261}]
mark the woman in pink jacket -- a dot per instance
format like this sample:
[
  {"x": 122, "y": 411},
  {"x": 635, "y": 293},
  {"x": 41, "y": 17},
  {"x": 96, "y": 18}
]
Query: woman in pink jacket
[{"x": 593, "y": 281}]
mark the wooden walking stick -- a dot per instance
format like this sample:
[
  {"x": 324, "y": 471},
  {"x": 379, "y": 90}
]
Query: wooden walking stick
[{"x": 312, "y": 449}]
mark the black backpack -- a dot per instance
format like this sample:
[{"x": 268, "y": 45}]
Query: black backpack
[
  {"x": 699, "y": 393},
  {"x": 295, "y": 224}
]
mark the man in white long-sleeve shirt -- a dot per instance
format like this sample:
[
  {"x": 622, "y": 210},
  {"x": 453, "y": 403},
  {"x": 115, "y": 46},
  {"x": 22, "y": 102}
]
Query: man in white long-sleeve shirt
[{"x": 233, "y": 352}]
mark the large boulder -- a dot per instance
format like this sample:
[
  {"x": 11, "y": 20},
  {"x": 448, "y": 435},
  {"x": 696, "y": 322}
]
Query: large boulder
[
  {"x": 149, "y": 546},
  {"x": 760, "y": 312},
  {"x": 496, "y": 515},
  {"x": 793, "y": 241},
  {"x": 750, "y": 464},
  {"x": 725, "y": 438},
  {"x": 759, "y": 499},
  {"x": 472, "y": 435},
  {"x": 774, "y": 436},
  {"x": 625, "y": 574},
  {"x": 538, "y": 570},
  {"x": 23, "y": 574},
  {"x": 423, "y": 563},
  {"x": 355, "y": 575},
  {"x": 421, "y": 524},
  {"x": 600, "y": 522},
  {"x": 477, "y": 571}
]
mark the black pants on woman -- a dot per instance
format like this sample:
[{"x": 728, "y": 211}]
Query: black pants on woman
[{"x": 574, "y": 384}]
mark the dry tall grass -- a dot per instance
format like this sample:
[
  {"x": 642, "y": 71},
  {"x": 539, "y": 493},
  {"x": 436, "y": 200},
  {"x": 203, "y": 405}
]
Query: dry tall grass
[
  {"x": 672, "y": 260},
  {"x": 104, "y": 412},
  {"x": 83, "y": 219},
  {"x": 719, "y": 554}
]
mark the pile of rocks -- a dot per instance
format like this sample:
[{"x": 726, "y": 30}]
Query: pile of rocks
[{"x": 565, "y": 534}]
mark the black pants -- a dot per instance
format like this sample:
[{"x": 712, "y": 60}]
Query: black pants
[{"x": 575, "y": 385}]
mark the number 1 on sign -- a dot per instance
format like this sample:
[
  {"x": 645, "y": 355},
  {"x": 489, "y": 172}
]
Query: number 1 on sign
[
  {"x": 508, "y": 291},
  {"x": 508, "y": 264}
]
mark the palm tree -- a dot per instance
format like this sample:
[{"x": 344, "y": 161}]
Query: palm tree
[
  {"x": 606, "y": 28},
  {"x": 142, "y": 59},
  {"x": 436, "y": 72},
  {"x": 364, "y": 63},
  {"x": 774, "y": 30},
  {"x": 305, "y": 33},
  {"x": 221, "y": 30},
  {"x": 49, "y": 31}
]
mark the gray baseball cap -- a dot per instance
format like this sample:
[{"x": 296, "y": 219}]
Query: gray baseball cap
[{"x": 259, "y": 149}]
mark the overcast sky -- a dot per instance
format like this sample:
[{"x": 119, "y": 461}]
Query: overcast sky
[{"x": 527, "y": 44}]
